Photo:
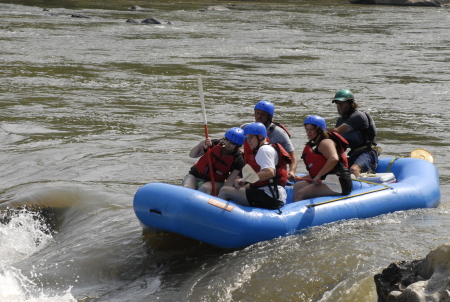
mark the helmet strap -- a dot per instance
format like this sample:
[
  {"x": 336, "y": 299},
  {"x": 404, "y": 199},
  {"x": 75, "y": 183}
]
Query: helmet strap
[
  {"x": 259, "y": 143},
  {"x": 269, "y": 121}
]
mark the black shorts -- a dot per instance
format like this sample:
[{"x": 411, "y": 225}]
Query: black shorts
[{"x": 259, "y": 199}]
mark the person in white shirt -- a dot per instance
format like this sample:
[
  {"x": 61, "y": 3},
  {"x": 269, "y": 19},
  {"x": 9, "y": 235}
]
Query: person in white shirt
[{"x": 270, "y": 162}]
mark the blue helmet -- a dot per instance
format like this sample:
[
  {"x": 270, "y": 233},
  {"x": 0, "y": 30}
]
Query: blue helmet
[
  {"x": 236, "y": 135},
  {"x": 316, "y": 120},
  {"x": 265, "y": 106},
  {"x": 256, "y": 129}
]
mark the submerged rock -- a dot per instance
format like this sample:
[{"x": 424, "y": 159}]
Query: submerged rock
[
  {"x": 79, "y": 16},
  {"x": 400, "y": 2},
  {"x": 417, "y": 281},
  {"x": 136, "y": 7},
  {"x": 155, "y": 21}
]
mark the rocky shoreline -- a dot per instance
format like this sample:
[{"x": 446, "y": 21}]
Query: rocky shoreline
[{"x": 418, "y": 280}]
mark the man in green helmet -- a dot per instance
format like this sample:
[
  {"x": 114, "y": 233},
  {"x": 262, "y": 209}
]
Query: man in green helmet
[{"x": 359, "y": 129}]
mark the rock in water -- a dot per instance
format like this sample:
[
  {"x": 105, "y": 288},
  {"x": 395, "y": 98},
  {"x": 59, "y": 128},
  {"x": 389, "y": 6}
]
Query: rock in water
[{"x": 417, "y": 281}]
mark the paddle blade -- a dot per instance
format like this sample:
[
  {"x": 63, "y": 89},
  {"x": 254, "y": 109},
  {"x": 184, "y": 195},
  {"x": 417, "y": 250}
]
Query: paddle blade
[
  {"x": 422, "y": 154},
  {"x": 189, "y": 160},
  {"x": 249, "y": 175},
  {"x": 332, "y": 182}
]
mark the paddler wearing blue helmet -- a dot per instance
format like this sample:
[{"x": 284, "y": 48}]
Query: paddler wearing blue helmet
[
  {"x": 323, "y": 155},
  {"x": 359, "y": 129},
  {"x": 227, "y": 162},
  {"x": 264, "y": 112},
  {"x": 269, "y": 161}
]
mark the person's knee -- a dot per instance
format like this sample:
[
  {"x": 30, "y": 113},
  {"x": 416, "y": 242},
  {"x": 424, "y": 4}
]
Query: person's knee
[
  {"x": 355, "y": 170},
  {"x": 190, "y": 182},
  {"x": 299, "y": 195},
  {"x": 203, "y": 189},
  {"x": 206, "y": 188},
  {"x": 223, "y": 193}
]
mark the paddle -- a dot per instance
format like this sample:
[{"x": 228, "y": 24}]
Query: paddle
[
  {"x": 331, "y": 181},
  {"x": 422, "y": 154},
  {"x": 189, "y": 160},
  {"x": 208, "y": 153},
  {"x": 249, "y": 175}
]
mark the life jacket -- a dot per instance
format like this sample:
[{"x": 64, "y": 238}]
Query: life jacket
[
  {"x": 371, "y": 132},
  {"x": 281, "y": 173},
  {"x": 221, "y": 163},
  {"x": 368, "y": 137},
  {"x": 274, "y": 124},
  {"x": 248, "y": 151},
  {"x": 315, "y": 161}
]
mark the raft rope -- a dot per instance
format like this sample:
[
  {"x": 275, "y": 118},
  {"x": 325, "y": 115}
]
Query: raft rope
[
  {"x": 390, "y": 164},
  {"x": 350, "y": 196}
]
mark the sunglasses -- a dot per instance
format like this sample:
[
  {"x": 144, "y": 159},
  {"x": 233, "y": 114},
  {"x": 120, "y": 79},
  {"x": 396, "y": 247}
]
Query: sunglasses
[
  {"x": 227, "y": 140},
  {"x": 249, "y": 137}
]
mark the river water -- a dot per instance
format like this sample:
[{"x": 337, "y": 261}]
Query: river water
[{"x": 93, "y": 108}]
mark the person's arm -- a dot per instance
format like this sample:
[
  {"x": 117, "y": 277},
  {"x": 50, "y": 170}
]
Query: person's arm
[
  {"x": 199, "y": 150},
  {"x": 265, "y": 158},
  {"x": 293, "y": 165},
  {"x": 231, "y": 178},
  {"x": 341, "y": 129},
  {"x": 266, "y": 173},
  {"x": 328, "y": 149}
]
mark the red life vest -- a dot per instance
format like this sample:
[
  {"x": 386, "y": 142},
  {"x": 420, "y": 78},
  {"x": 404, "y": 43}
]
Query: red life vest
[
  {"x": 221, "y": 163},
  {"x": 281, "y": 174},
  {"x": 315, "y": 161}
]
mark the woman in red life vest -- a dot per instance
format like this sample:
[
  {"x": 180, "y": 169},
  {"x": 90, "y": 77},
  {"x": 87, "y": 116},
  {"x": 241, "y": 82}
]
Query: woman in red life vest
[
  {"x": 227, "y": 162},
  {"x": 324, "y": 154}
]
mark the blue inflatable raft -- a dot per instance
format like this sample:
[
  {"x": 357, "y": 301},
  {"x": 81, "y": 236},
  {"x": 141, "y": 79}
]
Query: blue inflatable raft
[{"x": 165, "y": 207}]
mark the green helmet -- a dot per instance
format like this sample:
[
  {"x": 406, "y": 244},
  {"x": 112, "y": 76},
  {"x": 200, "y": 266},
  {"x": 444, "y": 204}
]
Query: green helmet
[{"x": 343, "y": 95}]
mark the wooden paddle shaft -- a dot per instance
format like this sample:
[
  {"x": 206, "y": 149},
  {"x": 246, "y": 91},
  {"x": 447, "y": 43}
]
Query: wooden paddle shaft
[{"x": 205, "y": 123}]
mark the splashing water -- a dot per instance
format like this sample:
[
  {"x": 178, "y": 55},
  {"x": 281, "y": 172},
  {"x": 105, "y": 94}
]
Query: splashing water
[{"x": 23, "y": 233}]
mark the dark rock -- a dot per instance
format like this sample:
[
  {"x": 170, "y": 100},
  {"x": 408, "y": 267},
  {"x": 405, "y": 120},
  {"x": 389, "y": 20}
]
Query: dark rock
[
  {"x": 151, "y": 21},
  {"x": 155, "y": 21},
  {"x": 136, "y": 7},
  {"x": 396, "y": 277},
  {"x": 131, "y": 21},
  {"x": 417, "y": 281},
  {"x": 79, "y": 16}
]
